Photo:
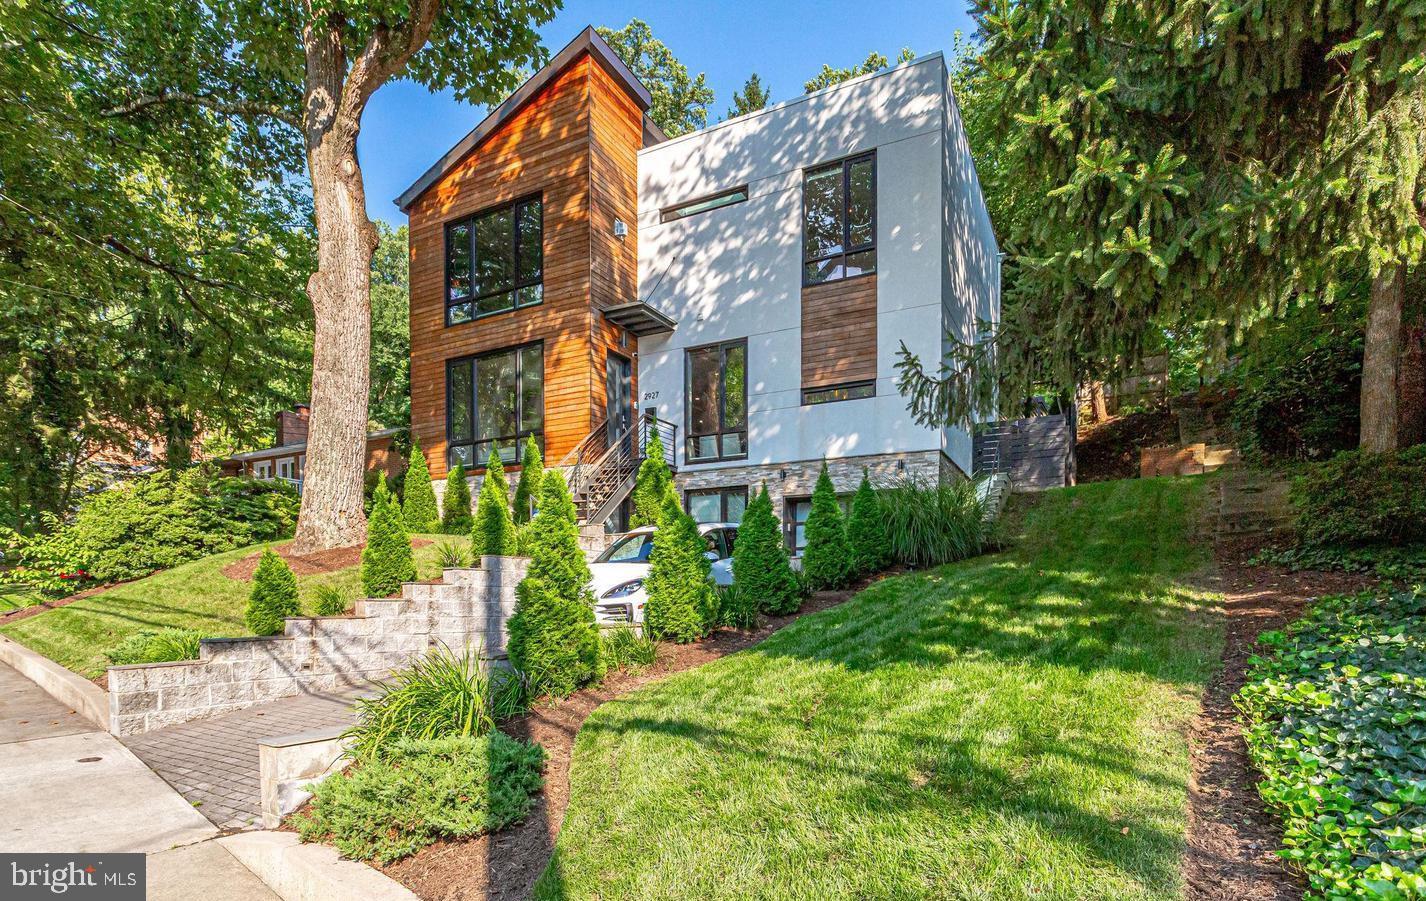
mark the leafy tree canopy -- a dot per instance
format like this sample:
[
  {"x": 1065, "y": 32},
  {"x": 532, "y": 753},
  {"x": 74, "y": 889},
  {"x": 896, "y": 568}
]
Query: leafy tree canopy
[
  {"x": 874, "y": 62},
  {"x": 390, "y": 405},
  {"x": 680, "y": 101}
]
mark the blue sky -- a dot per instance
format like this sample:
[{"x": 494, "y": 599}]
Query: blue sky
[{"x": 407, "y": 128}]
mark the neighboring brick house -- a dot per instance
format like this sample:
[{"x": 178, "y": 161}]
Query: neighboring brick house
[{"x": 287, "y": 458}]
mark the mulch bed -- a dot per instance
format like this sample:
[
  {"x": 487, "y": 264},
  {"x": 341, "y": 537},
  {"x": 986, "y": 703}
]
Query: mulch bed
[
  {"x": 1232, "y": 839},
  {"x": 506, "y": 865},
  {"x": 306, "y": 564}
]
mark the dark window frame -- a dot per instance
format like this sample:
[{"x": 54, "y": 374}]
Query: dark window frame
[
  {"x": 808, "y": 393},
  {"x": 477, "y": 464},
  {"x": 472, "y": 297},
  {"x": 789, "y": 517},
  {"x": 845, "y": 163},
  {"x": 679, "y": 211},
  {"x": 722, "y": 493},
  {"x": 690, "y": 437}
]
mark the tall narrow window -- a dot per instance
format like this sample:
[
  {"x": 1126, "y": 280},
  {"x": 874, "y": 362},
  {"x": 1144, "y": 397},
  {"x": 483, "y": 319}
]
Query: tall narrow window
[
  {"x": 839, "y": 220},
  {"x": 495, "y": 261},
  {"x": 493, "y": 402},
  {"x": 717, "y": 400}
]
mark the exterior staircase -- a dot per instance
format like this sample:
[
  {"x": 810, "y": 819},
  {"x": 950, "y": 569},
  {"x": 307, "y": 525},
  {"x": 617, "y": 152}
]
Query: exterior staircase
[
  {"x": 1251, "y": 504},
  {"x": 602, "y": 468}
]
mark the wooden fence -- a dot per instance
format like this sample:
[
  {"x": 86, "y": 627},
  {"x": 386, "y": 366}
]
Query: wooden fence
[{"x": 1036, "y": 453}]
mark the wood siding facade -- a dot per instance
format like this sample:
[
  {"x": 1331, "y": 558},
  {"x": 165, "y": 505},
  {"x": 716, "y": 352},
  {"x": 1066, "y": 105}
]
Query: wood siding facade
[
  {"x": 839, "y": 332},
  {"x": 574, "y": 144}
]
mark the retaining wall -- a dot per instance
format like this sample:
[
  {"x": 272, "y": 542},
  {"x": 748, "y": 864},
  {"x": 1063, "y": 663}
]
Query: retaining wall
[{"x": 319, "y": 654}]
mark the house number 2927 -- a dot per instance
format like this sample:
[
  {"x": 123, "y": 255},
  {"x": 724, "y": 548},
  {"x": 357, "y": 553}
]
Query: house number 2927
[{"x": 651, "y": 395}]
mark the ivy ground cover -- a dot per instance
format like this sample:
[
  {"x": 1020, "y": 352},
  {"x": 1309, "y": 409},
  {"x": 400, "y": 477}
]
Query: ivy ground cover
[{"x": 1011, "y": 726}]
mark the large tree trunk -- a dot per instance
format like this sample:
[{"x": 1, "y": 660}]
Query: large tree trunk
[
  {"x": 1411, "y": 380},
  {"x": 1097, "y": 402},
  {"x": 1381, "y": 361}
]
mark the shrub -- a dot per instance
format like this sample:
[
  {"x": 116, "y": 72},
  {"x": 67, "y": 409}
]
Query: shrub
[
  {"x": 1334, "y": 713},
  {"x": 386, "y": 561},
  {"x": 418, "y": 507},
  {"x": 331, "y": 601},
  {"x": 738, "y": 607},
  {"x": 452, "y": 555},
  {"x": 624, "y": 648},
  {"x": 494, "y": 532},
  {"x": 527, "y": 490},
  {"x": 681, "y": 605},
  {"x": 653, "y": 486},
  {"x": 161, "y": 646},
  {"x": 455, "y": 506},
  {"x": 761, "y": 571},
  {"x": 440, "y": 695},
  {"x": 927, "y": 525},
  {"x": 827, "y": 559},
  {"x": 413, "y": 792},
  {"x": 866, "y": 531},
  {"x": 150, "y": 523},
  {"x": 1358, "y": 499},
  {"x": 274, "y": 595},
  {"x": 553, "y": 639}
]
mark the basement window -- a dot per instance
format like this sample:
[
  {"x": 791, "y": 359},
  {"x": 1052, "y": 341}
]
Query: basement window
[{"x": 704, "y": 204}]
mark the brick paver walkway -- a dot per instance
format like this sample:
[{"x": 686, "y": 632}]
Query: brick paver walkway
[{"x": 213, "y": 763}]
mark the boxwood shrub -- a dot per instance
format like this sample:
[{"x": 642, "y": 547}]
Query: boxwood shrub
[{"x": 1335, "y": 718}]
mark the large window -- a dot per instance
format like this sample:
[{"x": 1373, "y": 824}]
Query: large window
[
  {"x": 493, "y": 401},
  {"x": 718, "y": 504},
  {"x": 494, "y": 261},
  {"x": 839, "y": 220},
  {"x": 717, "y": 394}
]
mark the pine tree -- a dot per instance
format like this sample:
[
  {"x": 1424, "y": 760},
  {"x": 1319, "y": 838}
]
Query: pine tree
[
  {"x": 419, "y": 508},
  {"x": 455, "y": 507},
  {"x": 751, "y": 98},
  {"x": 494, "y": 532},
  {"x": 827, "y": 560},
  {"x": 527, "y": 490},
  {"x": 866, "y": 532},
  {"x": 760, "y": 565},
  {"x": 653, "y": 486},
  {"x": 682, "y": 604},
  {"x": 554, "y": 640},
  {"x": 386, "y": 561},
  {"x": 274, "y": 595}
]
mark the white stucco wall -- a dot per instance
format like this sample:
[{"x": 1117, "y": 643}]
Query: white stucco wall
[{"x": 735, "y": 272}]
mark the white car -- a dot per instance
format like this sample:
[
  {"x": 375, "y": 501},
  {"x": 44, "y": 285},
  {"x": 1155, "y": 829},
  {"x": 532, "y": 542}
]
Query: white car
[{"x": 619, "y": 572}]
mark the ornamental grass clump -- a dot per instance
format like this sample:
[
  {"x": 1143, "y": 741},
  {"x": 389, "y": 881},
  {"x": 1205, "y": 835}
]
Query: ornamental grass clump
[
  {"x": 554, "y": 640},
  {"x": 273, "y": 597},
  {"x": 157, "y": 646},
  {"x": 330, "y": 601},
  {"x": 827, "y": 558},
  {"x": 455, "y": 506},
  {"x": 762, "y": 574},
  {"x": 387, "y": 560},
  {"x": 418, "y": 507},
  {"x": 682, "y": 606},
  {"x": 1336, "y": 723},
  {"x": 928, "y": 525},
  {"x": 527, "y": 490},
  {"x": 494, "y": 531}
]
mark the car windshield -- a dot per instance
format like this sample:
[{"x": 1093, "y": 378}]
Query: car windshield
[{"x": 629, "y": 549}]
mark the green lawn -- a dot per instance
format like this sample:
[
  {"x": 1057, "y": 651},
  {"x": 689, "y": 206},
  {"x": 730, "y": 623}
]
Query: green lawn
[
  {"x": 193, "y": 596},
  {"x": 1011, "y": 726}
]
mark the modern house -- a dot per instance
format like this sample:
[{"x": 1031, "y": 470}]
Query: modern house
[{"x": 743, "y": 290}]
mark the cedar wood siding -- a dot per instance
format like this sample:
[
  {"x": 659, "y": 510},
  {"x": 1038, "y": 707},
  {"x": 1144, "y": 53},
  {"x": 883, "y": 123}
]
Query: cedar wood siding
[
  {"x": 839, "y": 332},
  {"x": 568, "y": 145}
]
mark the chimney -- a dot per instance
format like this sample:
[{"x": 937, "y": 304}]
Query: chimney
[{"x": 292, "y": 425}]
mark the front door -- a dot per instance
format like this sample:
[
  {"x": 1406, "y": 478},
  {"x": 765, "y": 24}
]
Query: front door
[{"x": 618, "y": 395}]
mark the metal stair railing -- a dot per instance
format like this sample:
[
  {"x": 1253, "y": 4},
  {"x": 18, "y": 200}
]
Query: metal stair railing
[{"x": 602, "y": 472}]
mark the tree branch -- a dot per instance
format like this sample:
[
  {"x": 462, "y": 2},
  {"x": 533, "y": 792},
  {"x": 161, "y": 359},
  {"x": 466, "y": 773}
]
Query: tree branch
[{"x": 208, "y": 101}]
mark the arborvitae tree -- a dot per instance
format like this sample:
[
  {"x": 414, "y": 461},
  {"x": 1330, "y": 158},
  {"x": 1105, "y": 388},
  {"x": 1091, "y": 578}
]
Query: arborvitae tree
[
  {"x": 827, "y": 560},
  {"x": 274, "y": 595},
  {"x": 760, "y": 565},
  {"x": 494, "y": 532},
  {"x": 455, "y": 507},
  {"x": 554, "y": 640},
  {"x": 653, "y": 487},
  {"x": 866, "y": 532},
  {"x": 527, "y": 490},
  {"x": 682, "y": 604},
  {"x": 419, "y": 508},
  {"x": 386, "y": 561}
]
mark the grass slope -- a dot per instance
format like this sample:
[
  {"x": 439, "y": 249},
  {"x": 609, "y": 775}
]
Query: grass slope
[
  {"x": 1011, "y": 726},
  {"x": 193, "y": 596}
]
